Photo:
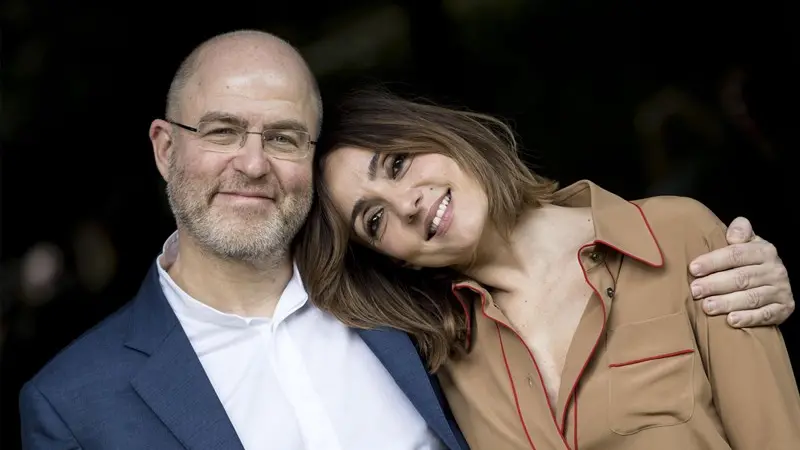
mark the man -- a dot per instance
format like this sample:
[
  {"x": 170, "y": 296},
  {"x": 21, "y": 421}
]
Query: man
[{"x": 221, "y": 348}]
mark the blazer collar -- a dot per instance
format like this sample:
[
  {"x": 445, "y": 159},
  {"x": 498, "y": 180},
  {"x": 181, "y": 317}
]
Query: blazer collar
[
  {"x": 172, "y": 381},
  {"x": 397, "y": 352}
]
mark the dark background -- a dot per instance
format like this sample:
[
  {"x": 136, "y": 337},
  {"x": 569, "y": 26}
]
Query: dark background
[{"x": 694, "y": 98}]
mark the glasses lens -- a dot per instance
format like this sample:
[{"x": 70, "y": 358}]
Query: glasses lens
[
  {"x": 282, "y": 144},
  {"x": 286, "y": 144}
]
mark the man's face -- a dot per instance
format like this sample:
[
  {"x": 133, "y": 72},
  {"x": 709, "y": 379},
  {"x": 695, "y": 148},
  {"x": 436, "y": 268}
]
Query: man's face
[{"x": 244, "y": 205}]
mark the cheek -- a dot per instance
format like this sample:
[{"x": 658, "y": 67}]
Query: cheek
[
  {"x": 294, "y": 177},
  {"x": 398, "y": 251},
  {"x": 473, "y": 221},
  {"x": 198, "y": 165},
  {"x": 197, "y": 176},
  {"x": 398, "y": 242}
]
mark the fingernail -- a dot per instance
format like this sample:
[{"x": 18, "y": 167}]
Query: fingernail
[
  {"x": 695, "y": 269},
  {"x": 734, "y": 319},
  {"x": 711, "y": 306},
  {"x": 697, "y": 292}
]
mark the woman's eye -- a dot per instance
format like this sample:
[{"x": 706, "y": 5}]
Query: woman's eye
[
  {"x": 397, "y": 165},
  {"x": 374, "y": 223}
]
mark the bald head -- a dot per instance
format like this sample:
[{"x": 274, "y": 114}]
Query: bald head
[{"x": 240, "y": 51}]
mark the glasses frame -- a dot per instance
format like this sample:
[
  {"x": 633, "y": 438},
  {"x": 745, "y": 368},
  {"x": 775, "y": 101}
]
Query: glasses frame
[{"x": 243, "y": 141}]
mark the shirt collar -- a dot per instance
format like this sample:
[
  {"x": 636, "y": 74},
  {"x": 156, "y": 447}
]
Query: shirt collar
[
  {"x": 293, "y": 297},
  {"x": 618, "y": 223}
]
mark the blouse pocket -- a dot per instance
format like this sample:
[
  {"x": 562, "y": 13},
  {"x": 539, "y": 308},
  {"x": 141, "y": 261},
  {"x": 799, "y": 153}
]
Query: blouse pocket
[{"x": 650, "y": 374}]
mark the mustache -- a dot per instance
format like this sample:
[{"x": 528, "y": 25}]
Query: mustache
[
  {"x": 262, "y": 188},
  {"x": 180, "y": 181}
]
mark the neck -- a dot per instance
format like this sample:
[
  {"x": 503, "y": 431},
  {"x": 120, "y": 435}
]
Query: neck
[
  {"x": 544, "y": 239},
  {"x": 249, "y": 289}
]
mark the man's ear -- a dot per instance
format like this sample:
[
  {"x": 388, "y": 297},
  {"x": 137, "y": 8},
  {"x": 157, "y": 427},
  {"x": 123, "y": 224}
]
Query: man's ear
[{"x": 162, "y": 140}]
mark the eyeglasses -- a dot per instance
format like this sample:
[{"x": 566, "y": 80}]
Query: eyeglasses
[{"x": 287, "y": 144}]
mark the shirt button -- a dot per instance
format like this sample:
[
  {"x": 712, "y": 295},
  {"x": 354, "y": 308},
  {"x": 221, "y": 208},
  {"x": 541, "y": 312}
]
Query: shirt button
[
  {"x": 530, "y": 380},
  {"x": 610, "y": 292}
]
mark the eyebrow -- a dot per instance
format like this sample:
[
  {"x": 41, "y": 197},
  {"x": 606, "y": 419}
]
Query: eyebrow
[
  {"x": 286, "y": 124},
  {"x": 373, "y": 166},
  {"x": 362, "y": 203},
  {"x": 219, "y": 116}
]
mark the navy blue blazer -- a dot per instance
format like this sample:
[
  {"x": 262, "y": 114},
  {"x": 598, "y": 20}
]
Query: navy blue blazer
[{"x": 134, "y": 382}]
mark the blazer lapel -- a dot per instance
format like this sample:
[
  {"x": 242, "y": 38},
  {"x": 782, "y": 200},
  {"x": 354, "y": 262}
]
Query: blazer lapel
[
  {"x": 172, "y": 381},
  {"x": 400, "y": 357}
]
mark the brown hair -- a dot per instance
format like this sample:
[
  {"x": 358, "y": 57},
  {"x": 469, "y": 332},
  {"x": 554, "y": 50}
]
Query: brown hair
[{"x": 365, "y": 289}]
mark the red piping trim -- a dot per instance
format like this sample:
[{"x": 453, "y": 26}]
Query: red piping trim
[
  {"x": 560, "y": 428},
  {"x": 511, "y": 379},
  {"x": 513, "y": 388},
  {"x": 652, "y": 358},
  {"x": 575, "y": 428},
  {"x": 660, "y": 263},
  {"x": 594, "y": 347}
]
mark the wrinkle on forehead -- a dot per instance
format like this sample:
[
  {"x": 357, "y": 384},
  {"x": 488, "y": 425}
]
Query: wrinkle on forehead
[
  {"x": 345, "y": 174},
  {"x": 259, "y": 85},
  {"x": 252, "y": 71}
]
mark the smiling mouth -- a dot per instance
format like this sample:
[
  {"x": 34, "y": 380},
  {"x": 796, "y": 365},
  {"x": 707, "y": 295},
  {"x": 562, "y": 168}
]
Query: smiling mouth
[
  {"x": 246, "y": 194},
  {"x": 437, "y": 219}
]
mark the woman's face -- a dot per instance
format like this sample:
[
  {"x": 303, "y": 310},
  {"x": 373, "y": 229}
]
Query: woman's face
[{"x": 420, "y": 208}]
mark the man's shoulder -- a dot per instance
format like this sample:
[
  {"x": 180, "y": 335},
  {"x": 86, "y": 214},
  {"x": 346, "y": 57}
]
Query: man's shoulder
[{"x": 92, "y": 358}]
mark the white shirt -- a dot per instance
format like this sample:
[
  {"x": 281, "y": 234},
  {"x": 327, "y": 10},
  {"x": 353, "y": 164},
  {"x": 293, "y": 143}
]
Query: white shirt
[{"x": 298, "y": 380}]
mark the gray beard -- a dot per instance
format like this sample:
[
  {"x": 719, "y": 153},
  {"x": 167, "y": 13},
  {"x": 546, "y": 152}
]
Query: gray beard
[{"x": 249, "y": 238}]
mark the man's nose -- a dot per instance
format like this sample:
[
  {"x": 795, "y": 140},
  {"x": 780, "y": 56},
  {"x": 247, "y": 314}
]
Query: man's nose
[{"x": 252, "y": 160}]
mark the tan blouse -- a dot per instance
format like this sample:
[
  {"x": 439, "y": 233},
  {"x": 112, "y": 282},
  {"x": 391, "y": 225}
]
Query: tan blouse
[{"x": 646, "y": 369}]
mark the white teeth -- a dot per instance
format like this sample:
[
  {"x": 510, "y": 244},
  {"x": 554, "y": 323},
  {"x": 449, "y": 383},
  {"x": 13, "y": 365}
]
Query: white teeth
[{"x": 439, "y": 213}]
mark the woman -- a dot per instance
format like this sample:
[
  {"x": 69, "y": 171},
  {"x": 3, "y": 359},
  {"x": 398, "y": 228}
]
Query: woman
[{"x": 553, "y": 318}]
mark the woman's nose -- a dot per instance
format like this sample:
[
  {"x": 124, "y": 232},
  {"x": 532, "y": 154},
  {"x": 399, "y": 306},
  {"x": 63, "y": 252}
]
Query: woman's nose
[{"x": 409, "y": 204}]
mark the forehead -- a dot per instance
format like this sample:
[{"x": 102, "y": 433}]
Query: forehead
[
  {"x": 262, "y": 91},
  {"x": 345, "y": 174}
]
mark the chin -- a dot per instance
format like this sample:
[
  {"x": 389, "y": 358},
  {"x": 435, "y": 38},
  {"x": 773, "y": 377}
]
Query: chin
[
  {"x": 438, "y": 261},
  {"x": 434, "y": 265}
]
